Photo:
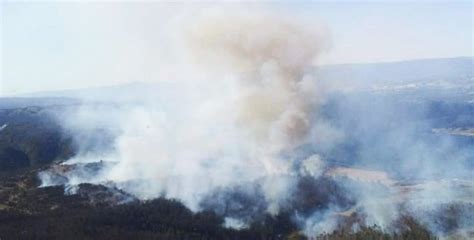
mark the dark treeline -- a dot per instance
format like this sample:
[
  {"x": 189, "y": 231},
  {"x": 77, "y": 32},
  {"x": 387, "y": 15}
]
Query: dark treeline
[
  {"x": 164, "y": 219},
  {"x": 27, "y": 212}
]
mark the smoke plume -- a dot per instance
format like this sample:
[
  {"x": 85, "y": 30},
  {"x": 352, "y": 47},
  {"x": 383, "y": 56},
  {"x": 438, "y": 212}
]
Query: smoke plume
[
  {"x": 238, "y": 129},
  {"x": 251, "y": 102}
]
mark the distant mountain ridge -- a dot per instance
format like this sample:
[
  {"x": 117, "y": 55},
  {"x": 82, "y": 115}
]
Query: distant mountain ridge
[
  {"x": 400, "y": 71},
  {"x": 358, "y": 75}
]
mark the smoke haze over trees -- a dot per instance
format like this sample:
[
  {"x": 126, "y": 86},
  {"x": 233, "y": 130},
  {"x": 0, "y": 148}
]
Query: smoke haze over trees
[{"x": 238, "y": 132}]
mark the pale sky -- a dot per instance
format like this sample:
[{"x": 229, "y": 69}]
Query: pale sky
[{"x": 67, "y": 45}]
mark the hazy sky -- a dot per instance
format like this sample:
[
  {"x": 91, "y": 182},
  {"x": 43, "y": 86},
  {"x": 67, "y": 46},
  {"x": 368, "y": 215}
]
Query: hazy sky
[{"x": 65, "y": 45}]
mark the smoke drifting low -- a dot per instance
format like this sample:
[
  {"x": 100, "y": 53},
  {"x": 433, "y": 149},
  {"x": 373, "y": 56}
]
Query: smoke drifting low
[{"x": 239, "y": 131}]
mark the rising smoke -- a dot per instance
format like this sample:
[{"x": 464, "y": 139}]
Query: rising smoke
[
  {"x": 255, "y": 108},
  {"x": 242, "y": 133}
]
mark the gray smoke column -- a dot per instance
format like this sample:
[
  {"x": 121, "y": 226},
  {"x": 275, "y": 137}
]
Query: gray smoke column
[
  {"x": 275, "y": 97},
  {"x": 246, "y": 101},
  {"x": 237, "y": 126},
  {"x": 270, "y": 56}
]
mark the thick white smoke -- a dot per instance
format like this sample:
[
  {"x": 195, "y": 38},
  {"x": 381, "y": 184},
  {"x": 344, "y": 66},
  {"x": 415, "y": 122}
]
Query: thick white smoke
[
  {"x": 240, "y": 104},
  {"x": 268, "y": 56},
  {"x": 248, "y": 104}
]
